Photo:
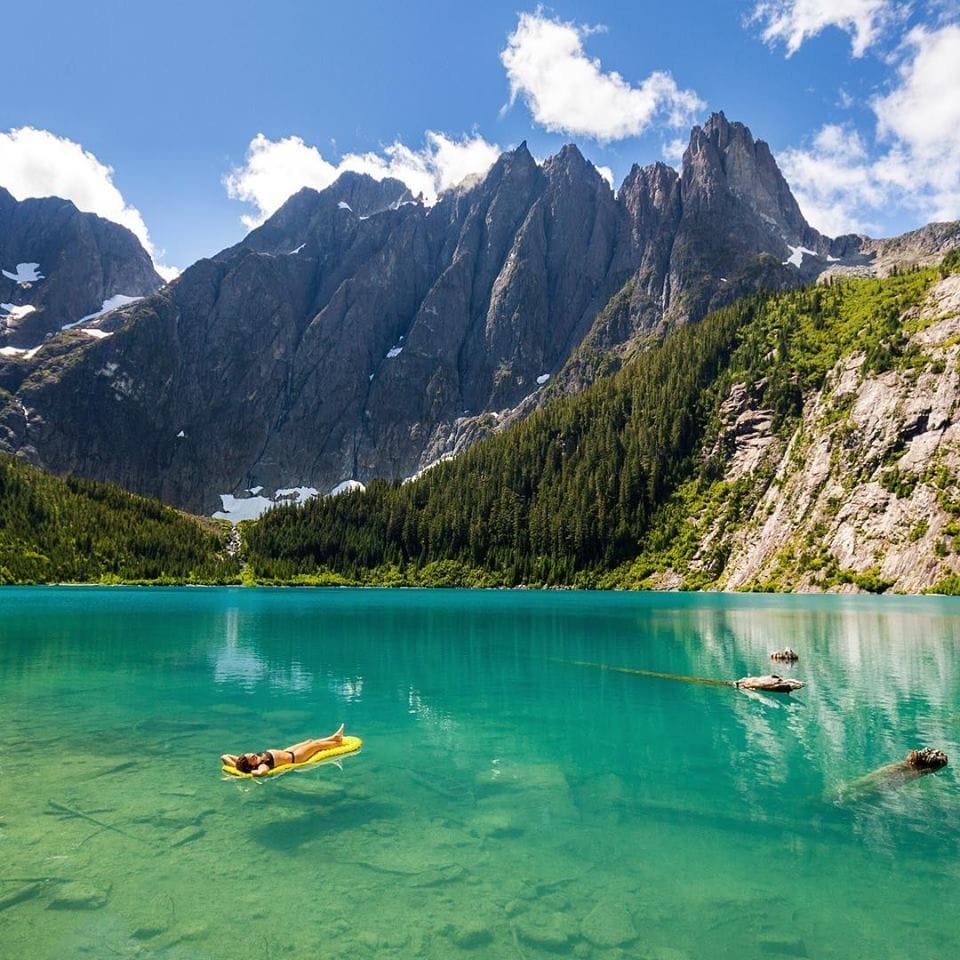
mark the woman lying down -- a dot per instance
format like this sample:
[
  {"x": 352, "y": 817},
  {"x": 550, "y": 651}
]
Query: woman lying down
[{"x": 262, "y": 763}]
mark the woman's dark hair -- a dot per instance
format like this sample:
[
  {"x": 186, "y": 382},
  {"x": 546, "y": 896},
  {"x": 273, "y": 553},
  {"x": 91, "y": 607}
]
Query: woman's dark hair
[{"x": 243, "y": 763}]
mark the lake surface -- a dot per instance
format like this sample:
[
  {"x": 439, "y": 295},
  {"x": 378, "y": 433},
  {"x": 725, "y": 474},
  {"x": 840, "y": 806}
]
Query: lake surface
[{"x": 509, "y": 801}]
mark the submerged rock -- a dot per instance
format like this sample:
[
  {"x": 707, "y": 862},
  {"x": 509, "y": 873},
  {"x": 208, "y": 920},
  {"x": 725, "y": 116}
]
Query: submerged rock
[
  {"x": 549, "y": 931},
  {"x": 495, "y": 824},
  {"x": 470, "y": 935},
  {"x": 608, "y": 924},
  {"x": 78, "y": 895}
]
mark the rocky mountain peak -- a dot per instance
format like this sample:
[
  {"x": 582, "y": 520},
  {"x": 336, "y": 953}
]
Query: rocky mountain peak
[
  {"x": 723, "y": 161},
  {"x": 653, "y": 185},
  {"x": 570, "y": 165},
  {"x": 315, "y": 220},
  {"x": 508, "y": 188},
  {"x": 516, "y": 164},
  {"x": 723, "y": 131},
  {"x": 568, "y": 158},
  {"x": 60, "y": 267},
  {"x": 366, "y": 196}
]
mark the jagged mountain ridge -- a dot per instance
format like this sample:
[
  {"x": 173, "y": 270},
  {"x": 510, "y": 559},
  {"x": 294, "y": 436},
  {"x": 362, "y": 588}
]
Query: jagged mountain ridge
[
  {"x": 359, "y": 333},
  {"x": 60, "y": 265}
]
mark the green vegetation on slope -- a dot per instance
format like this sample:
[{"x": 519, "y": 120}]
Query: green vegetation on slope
[
  {"x": 785, "y": 354},
  {"x": 78, "y": 531},
  {"x": 597, "y": 489}
]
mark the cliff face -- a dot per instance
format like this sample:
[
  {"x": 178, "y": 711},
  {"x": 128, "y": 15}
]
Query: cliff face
[
  {"x": 864, "y": 493},
  {"x": 358, "y": 333},
  {"x": 59, "y": 266}
]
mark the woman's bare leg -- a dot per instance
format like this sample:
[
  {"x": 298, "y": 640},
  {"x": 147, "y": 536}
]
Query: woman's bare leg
[
  {"x": 331, "y": 741},
  {"x": 307, "y": 748}
]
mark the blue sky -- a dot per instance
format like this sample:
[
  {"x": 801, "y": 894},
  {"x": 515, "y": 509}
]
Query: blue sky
[{"x": 148, "y": 113}]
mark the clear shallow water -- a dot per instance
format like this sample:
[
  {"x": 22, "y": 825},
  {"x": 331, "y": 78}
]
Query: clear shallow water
[{"x": 507, "y": 802}]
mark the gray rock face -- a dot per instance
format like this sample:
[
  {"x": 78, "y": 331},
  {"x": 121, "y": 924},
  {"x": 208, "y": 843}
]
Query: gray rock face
[
  {"x": 359, "y": 333},
  {"x": 831, "y": 485},
  {"x": 736, "y": 208},
  {"x": 79, "y": 261}
]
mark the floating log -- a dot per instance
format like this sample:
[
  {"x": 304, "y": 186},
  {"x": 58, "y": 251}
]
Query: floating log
[
  {"x": 771, "y": 683},
  {"x": 653, "y": 673},
  {"x": 786, "y": 654},
  {"x": 926, "y": 759},
  {"x": 915, "y": 764}
]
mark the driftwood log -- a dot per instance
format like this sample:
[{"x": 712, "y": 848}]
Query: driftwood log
[
  {"x": 916, "y": 764},
  {"x": 770, "y": 683},
  {"x": 926, "y": 759},
  {"x": 785, "y": 654}
]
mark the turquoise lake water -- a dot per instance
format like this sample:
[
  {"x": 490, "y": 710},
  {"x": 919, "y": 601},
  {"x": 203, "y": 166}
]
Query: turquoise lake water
[{"x": 509, "y": 801}]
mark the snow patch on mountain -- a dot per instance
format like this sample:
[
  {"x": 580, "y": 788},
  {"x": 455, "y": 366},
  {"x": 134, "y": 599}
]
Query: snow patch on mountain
[
  {"x": 296, "y": 494},
  {"x": 15, "y": 312},
  {"x": 27, "y": 273},
  {"x": 796, "y": 255},
  {"x": 25, "y": 352},
  {"x": 443, "y": 458},
  {"x": 236, "y": 509},
  {"x": 345, "y": 486},
  {"x": 113, "y": 303}
]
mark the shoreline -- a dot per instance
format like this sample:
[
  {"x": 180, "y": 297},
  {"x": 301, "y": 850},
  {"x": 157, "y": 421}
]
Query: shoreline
[{"x": 848, "y": 594}]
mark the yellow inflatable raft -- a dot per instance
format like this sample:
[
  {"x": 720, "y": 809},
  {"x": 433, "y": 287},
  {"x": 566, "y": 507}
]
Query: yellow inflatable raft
[{"x": 349, "y": 745}]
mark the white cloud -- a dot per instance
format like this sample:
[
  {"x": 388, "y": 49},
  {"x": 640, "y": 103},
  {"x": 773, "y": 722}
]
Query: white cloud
[
  {"x": 607, "y": 174},
  {"x": 165, "y": 270},
  {"x": 794, "y": 21},
  {"x": 275, "y": 169},
  {"x": 833, "y": 182},
  {"x": 842, "y": 185},
  {"x": 921, "y": 117},
  {"x": 844, "y": 100},
  {"x": 673, "y": 150},
  {"x": 37, "y": 163},
  {"x": 568, "y": 92}
]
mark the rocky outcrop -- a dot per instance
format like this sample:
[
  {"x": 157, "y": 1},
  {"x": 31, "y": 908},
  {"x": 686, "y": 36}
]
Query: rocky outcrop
[
  {"x": 359, "y": 333},
  {"x": 861, "y": 256},
  {"x": 864, "y": 493},
  {"x": 59, "y": 266},
  {"x": 746, "y": 430}
]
